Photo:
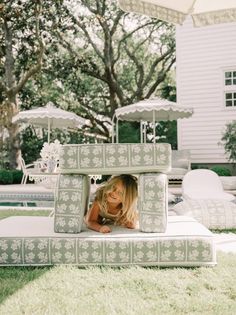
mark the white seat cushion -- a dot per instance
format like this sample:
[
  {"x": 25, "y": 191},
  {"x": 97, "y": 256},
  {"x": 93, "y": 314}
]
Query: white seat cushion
[
  {"x": 32, "y": 241},
  {"x": 203, "y": 184}
]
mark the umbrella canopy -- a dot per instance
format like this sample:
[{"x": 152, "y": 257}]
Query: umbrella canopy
[
  {"x": 155, "y": 109},
  {"x": 49, "y": 117},
  {"x": 203, "y": 12}
]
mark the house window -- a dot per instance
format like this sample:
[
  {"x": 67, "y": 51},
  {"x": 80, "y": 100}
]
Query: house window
[
  {"x": 230, "y": 99},
  {"x": 230, "y": 88}
]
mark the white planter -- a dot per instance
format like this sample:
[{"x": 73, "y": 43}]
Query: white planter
[{"x": 228, "y": 182}]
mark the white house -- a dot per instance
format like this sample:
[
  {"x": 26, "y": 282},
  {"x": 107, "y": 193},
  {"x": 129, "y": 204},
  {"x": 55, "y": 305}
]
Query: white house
[{"x": 206, "y": 81}]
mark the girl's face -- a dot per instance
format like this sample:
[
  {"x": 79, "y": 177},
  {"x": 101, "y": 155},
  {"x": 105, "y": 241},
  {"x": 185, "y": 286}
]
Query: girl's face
[{"x": 115, "y": 195}]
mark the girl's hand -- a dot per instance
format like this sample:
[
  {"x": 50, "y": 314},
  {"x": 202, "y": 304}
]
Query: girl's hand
[
  {"x": 105, "y": 229},
  {"x": 130, "y": 225}
]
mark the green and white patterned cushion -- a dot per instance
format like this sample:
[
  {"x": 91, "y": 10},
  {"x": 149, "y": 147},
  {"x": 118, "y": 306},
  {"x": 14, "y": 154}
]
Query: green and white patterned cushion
[
  {"x": 111, "y": 159},
  {"x": 31, "y": 241},
  {"x": 214, "y": 214},
  {"x": 115, "y": 158},
  {"x": 71, "y": 202},
  {"x": 153, "y": 202}
]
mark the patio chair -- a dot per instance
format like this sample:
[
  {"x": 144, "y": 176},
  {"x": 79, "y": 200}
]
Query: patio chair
[
  {"x": 202, "y": 184},
  {"x": 29, "y": 169}
]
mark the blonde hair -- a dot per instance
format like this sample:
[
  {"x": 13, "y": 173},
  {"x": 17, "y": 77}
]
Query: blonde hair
[{"x": 128, "y": 212}]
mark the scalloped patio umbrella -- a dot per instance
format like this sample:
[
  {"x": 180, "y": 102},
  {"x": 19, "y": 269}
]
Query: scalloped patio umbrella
[
  {"x": 49, "y": 117},
  {"x": 152, "y": 110},
  {"x": 203, "y": 12}
]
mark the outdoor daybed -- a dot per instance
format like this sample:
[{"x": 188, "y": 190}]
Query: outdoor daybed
[
  {"x": 159, "y": 241},
  {"x": 205, "y": 200}
]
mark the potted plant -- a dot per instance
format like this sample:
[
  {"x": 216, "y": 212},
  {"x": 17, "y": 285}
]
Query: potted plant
[{"x": 50, "y": 155}]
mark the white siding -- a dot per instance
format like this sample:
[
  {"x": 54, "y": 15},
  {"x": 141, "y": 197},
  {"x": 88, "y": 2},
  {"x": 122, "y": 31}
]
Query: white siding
[{"x": 203, "y": 54}]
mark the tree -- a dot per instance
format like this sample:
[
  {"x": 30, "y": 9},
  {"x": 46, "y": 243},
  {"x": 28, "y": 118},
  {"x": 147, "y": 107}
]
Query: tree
[
  {"x": 115, "y": 58},
  {"x": 85, "y": 56},
  {"x": 229, "y": 141},
  {"x": 24, "y": 33},
  {"x": 15, "y": 35}
]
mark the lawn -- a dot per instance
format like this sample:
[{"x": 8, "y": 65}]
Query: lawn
[{"x": 131, "y": 290}]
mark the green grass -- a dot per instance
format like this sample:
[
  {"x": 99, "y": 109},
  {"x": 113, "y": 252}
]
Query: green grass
[
  {"x": 62, "y": 290},
  {"x": 224, "y": 231},
  {"x": 15, "y": 278},
  {"x": 10, "y": 213},
  {"x": 131, "y": 290}
]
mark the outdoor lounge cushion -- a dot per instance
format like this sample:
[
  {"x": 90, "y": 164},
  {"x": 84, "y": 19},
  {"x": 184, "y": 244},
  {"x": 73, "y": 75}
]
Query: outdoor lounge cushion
[
  {"x": 153, "y": 202},
  {"x": 32, "y": 241},
  {"x": 125, "y": 158},
  {"x": 214, "y": 214},
  {"x": 71, "y": 202},
  {"x": 204, "y": 184}
]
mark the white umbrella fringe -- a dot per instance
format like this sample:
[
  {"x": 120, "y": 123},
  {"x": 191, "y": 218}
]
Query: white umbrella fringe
[
  {"x": 155, "y": 109},
  {"x": 50, "y": 117},
  {"x": 203, "y": 12}
]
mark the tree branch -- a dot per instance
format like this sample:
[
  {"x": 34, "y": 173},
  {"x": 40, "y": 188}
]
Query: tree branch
[
  {"x": 154, "y": 65},
  {"x": 35, "y": 68},
  {"x": 82, "y": 62}
]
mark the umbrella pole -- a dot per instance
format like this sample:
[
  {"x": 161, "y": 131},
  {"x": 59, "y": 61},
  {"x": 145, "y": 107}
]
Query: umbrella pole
[
  {"x": 141, "y": 131},
  {"x": 154, "y": 127},
  {"x": 117, "y": 131},
  {"x": 112, "y": 130},
  {"x": 49, "y": 130},
  {"x": 145, "y": 133}
]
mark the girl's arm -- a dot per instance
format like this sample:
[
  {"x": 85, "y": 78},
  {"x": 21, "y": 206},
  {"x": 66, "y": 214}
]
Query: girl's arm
[{"x": 91, "y": 219}]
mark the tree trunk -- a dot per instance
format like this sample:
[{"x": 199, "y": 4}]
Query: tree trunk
[
  {"x": 12, "y": 85},
  {"x": 13, "y": 141}
]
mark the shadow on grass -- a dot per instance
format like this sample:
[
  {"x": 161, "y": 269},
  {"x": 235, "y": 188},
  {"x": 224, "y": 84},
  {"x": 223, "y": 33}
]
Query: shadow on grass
[{"x": 15, "y": 278}]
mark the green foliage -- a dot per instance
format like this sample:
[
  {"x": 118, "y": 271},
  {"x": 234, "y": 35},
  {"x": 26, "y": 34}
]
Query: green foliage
[
  {"x": 31, "y": 145},
  {"x": 169, "y": 91},
  {"x": 199, "y": 166},
  {"x": 129, "y": 132},
  {"x": 10, "y": 177},
  {"x": 166, "y": 131},
  {"x": 16, "y": 176},
  {"x": 229, "y": 141},
  {"x": 6, "y": 177},
  {"x": 221, "y": 170}
]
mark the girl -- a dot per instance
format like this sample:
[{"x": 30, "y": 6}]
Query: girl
[{"x": 115, "y": 201}]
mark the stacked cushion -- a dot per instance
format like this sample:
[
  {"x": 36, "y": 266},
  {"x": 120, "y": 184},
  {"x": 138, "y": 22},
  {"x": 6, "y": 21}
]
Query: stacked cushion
[
  {"x": 71, "y": 203},
  {"x": 153, "y": 202},
  {"x": 79, "y": 161},
  {"x": 27, "y": 241},
  {"x": 115, "y": 158}
]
